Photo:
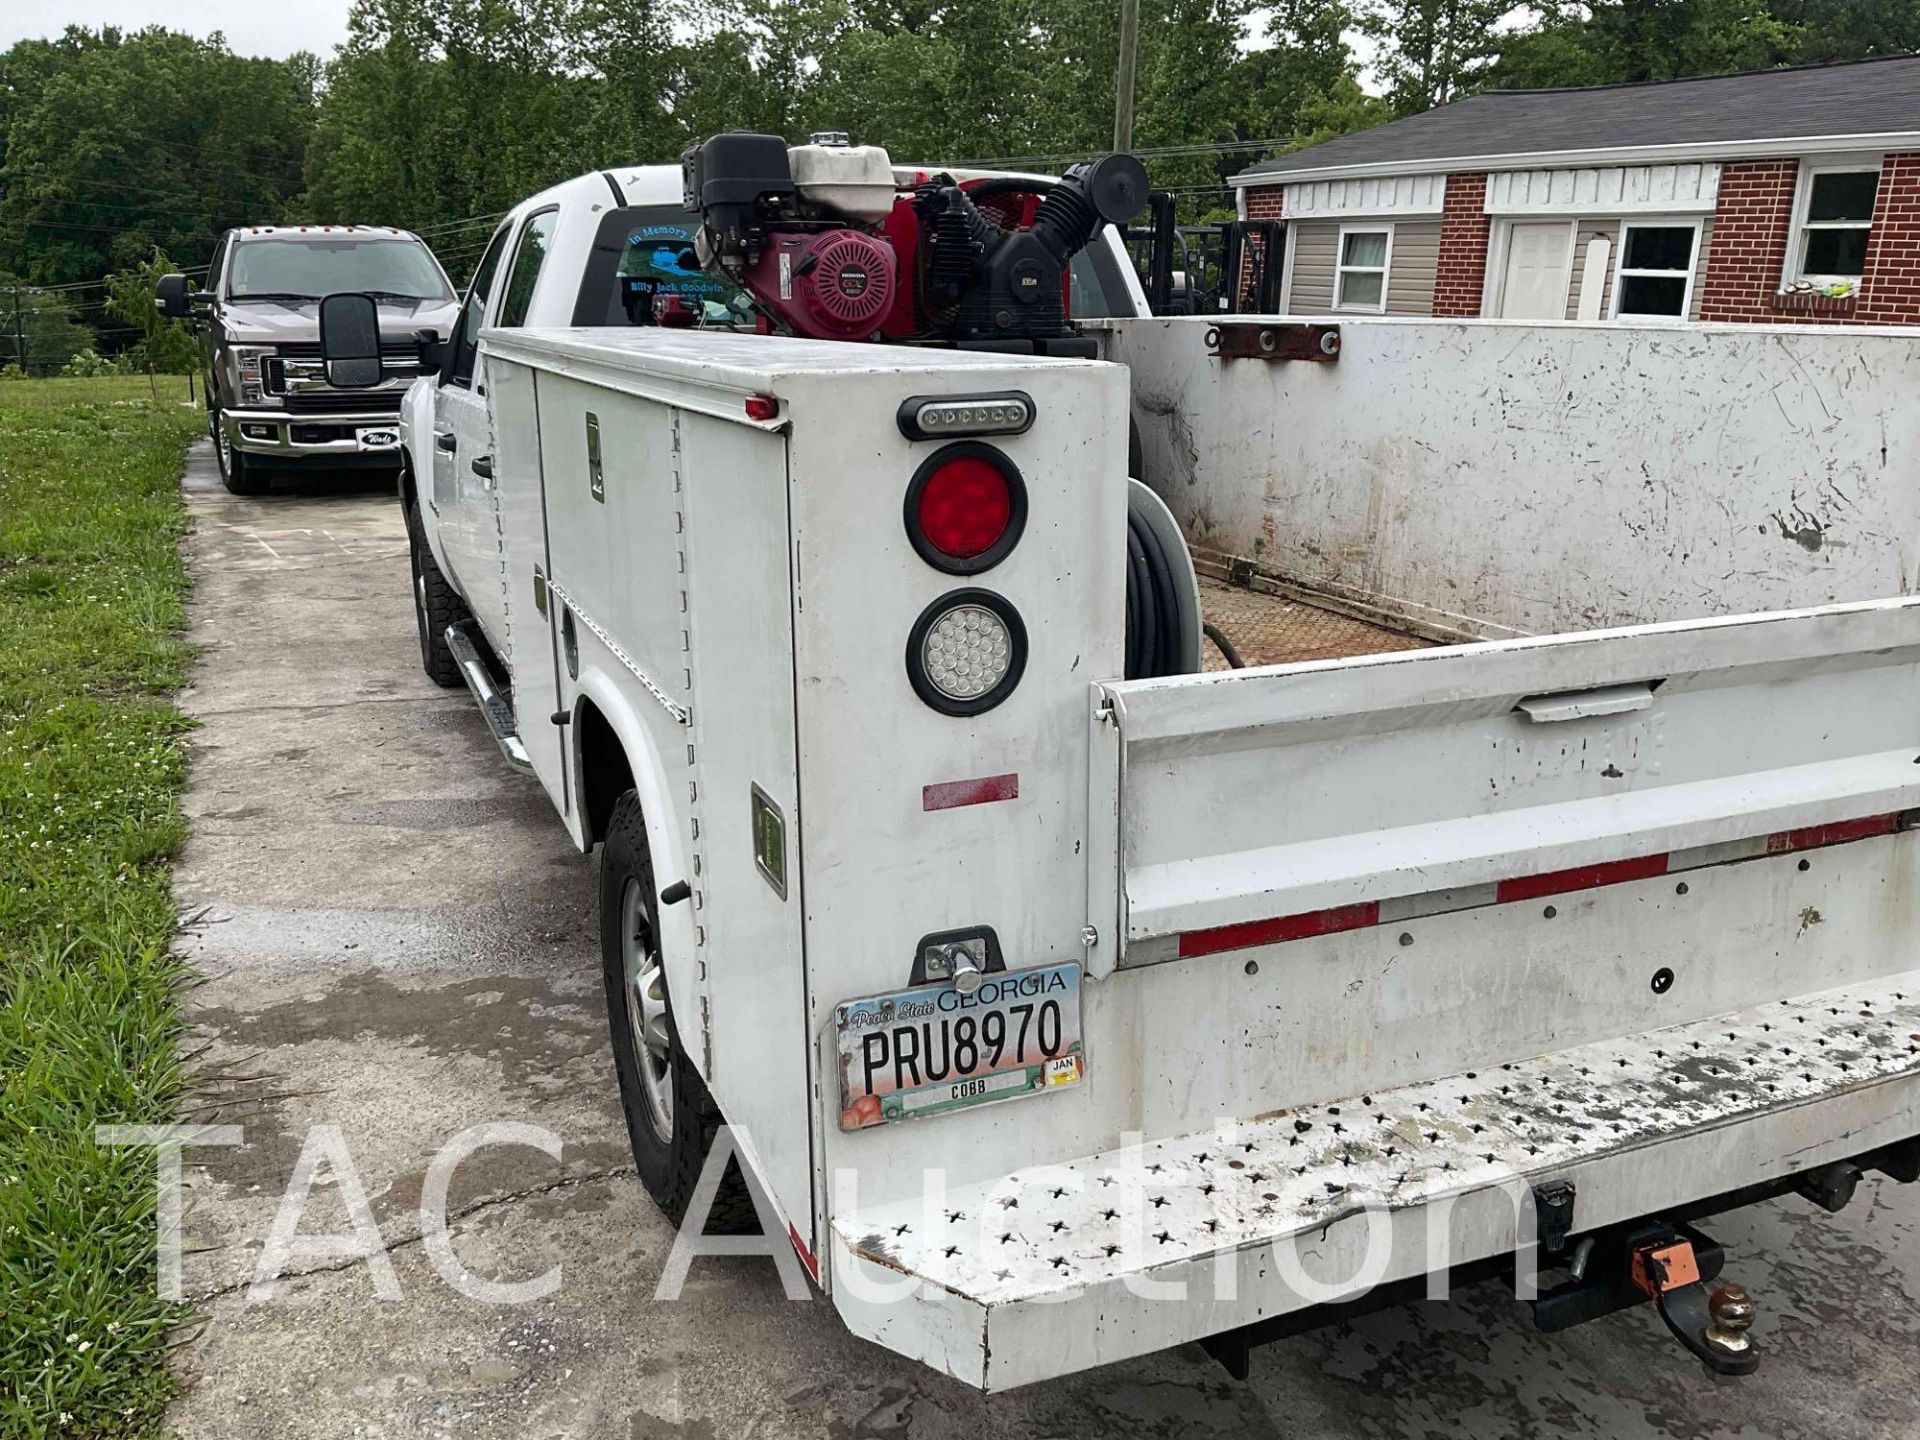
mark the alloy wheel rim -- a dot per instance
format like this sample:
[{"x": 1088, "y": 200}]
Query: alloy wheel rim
[{"x": 646, "y": 997}]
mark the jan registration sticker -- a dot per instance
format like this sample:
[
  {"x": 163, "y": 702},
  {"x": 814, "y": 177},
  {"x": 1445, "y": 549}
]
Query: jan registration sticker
[{"x": 932, "y": 1050}]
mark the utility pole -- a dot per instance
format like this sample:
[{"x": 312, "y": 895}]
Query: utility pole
[
  {"x": 1123, "y": 81},
  {"x": 19, "y": 332}
]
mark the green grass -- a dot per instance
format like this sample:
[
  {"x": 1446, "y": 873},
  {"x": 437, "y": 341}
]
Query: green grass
[{"x": 92, "y": 601}]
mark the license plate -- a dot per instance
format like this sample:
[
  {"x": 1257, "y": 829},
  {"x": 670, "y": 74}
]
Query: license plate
[
  {"x": 376, "y": 437},
  {"x": 932, "y": 1050}
]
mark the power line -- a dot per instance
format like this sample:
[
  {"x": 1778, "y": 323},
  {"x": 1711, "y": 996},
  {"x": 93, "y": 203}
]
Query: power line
[
  {"x": 1144, "y": 152},
  {"x": 95, "y": 284},
  {"x": 467, "y": 224},
  {"x": 199, "y": 150}
]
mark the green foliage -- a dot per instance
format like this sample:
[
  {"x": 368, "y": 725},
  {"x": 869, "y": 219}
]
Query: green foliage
[
  {"x": 1850, "y": 29},
  {"x": 438, "y": 114},
  {"x": 1632, "y": 40},
  {"x": 90, "y": 364},
  {"x": 92, "y": 597},
  {"x": 39, "y": 332},
  {"x": 115, "y": 143},
  {"x": 1432, "y": 51},
  {"x": 166, "y": 345}
]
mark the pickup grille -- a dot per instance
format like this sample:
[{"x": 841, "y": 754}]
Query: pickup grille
[
  {"x": 391, "y": 351},
  {"x": 296, "y": 377},
  {"x": 344, "y": 402}
]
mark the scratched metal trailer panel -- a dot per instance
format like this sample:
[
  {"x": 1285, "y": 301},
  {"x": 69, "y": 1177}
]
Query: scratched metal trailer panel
[{"x": 1546, "y": 477}]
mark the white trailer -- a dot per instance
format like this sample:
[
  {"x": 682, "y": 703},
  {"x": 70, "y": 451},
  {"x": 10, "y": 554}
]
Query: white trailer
[{"x": 1061, "y": 1017}]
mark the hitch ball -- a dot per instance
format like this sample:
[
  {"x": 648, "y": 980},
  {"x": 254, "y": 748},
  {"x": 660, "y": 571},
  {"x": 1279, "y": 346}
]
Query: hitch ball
[{"x": 1731, "y": 1310}]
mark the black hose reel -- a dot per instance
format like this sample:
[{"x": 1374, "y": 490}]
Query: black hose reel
[{"x": 1163, "y": 593}]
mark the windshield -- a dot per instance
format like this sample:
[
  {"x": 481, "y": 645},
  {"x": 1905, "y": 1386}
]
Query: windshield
[{"x": 312, "y": 267}]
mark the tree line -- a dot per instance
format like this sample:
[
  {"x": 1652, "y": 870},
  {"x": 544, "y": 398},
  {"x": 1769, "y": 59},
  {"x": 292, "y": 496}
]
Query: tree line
[{"x": 125, "y": 149}]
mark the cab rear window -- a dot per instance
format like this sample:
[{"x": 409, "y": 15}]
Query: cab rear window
[{"x": 642, "y": 252}]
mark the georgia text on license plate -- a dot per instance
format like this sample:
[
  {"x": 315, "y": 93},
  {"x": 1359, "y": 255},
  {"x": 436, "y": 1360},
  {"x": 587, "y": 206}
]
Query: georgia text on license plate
[{"x": 930, "y": 1050}]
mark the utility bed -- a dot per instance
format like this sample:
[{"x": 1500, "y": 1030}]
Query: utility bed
[{"x": 1027, "y": 988}]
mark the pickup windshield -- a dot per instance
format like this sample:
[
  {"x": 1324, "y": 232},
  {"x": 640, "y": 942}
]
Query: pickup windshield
[{"x": 310, "y": 267}]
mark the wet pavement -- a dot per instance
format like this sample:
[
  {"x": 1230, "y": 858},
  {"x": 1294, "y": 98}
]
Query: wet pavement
[{"x": 398, "y": 943}]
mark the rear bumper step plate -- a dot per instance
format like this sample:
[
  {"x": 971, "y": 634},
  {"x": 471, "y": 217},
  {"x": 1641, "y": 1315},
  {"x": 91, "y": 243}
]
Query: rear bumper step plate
[{"x": 1059, "y": 1268}]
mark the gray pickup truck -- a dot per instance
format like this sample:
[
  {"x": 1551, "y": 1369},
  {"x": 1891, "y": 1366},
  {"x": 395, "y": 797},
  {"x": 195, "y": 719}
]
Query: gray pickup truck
[{"x": 269, "y": 405}]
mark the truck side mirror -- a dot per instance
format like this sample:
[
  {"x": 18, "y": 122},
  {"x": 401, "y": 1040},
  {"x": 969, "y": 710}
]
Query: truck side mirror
[
  {"x": 433, "y": 351},
  {"x": 350, "y": 341},
  {"x": 170, "y": 297}
]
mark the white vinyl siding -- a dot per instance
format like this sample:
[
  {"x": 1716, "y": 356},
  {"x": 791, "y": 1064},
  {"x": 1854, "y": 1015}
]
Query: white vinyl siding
[{"x": 1315, "y": 248}]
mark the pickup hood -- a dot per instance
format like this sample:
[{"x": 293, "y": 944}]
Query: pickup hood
[{"x": 274, "y": 322}]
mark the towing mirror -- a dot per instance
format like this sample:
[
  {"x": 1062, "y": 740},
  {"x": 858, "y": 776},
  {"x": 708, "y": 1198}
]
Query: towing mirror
[
  {"x": 171, "y": 297},
  {"x": 433, "y": 351},
  {"x": 350, "y": 341}
]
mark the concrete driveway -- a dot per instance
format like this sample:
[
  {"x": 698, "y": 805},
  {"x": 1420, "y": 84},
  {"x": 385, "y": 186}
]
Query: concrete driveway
[{"x": 398, "y": 942}]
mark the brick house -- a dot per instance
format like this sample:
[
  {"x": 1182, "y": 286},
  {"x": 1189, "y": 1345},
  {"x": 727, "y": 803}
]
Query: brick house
[{"x": 1775, "y": 196}]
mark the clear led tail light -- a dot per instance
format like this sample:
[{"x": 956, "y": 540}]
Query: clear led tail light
[{"x": 966, "y": 652}]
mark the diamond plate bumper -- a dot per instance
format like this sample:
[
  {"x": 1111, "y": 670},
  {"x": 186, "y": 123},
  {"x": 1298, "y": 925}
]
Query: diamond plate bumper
[{"x": 1062, "y": 1267}]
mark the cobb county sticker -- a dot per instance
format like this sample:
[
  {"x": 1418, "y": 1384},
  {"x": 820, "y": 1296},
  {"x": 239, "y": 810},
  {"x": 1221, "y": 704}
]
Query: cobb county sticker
[{"x": 926, "y": 1051}]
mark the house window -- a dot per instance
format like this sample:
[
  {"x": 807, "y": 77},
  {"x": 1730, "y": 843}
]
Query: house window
[
  {"x": 1655, "y": 278},
  {"x": 1833, "y": 214},
  {"x": 1360, "y": 276}
]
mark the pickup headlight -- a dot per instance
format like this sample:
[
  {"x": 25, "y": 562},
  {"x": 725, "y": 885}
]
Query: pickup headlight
[{"x": 250, "y": 362}]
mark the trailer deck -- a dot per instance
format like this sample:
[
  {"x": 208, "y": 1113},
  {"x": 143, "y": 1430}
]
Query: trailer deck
[{"x": 1279, "y": 630}]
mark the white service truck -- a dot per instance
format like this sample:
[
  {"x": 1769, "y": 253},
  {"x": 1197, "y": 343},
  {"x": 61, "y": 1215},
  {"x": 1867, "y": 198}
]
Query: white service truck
[{"x": 1067, "y": 1001}]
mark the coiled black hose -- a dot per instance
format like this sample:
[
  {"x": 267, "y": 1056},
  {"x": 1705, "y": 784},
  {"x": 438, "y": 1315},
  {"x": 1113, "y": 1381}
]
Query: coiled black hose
[
  {"x": 1225, "y": 646},
  {"x": 1153, "y": 605}
]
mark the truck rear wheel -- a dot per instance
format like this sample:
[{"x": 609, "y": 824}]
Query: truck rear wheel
[
  {"x": 239, "y": 471},
  {"x": 436, "y": 606},
  {"x": 671, "y": 1117}
]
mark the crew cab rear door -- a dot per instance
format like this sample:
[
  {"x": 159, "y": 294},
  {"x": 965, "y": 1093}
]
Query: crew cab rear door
[{"x": 463, "y": 480}]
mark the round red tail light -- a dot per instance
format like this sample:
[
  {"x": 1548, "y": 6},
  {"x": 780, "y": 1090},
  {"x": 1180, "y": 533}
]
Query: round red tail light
[{"x": 966, "y": 507}]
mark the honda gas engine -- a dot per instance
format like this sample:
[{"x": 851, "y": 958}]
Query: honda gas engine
[{"x": 832, "y": 243}]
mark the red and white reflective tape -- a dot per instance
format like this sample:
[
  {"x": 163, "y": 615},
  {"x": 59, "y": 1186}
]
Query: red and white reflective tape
[
  {"x": 806, "y": 1255},
  {"x": 1246, "y": 934}
]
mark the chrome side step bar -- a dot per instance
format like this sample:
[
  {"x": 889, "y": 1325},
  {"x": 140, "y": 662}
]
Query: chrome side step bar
[{"x": 496, "y": 707}]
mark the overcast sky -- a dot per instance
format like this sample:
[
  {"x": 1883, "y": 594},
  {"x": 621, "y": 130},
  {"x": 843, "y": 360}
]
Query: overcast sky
[
  {"x": 253, "y": 27},
  {"x": 273, "y": 27}
]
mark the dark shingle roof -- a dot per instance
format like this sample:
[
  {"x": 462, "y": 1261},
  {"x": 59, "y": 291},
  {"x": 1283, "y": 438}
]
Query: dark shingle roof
[{"x": 1868, "y": 97}]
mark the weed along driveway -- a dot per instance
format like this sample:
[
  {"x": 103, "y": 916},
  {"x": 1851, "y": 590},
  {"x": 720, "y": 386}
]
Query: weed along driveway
[{"x": 397, "y": 944}]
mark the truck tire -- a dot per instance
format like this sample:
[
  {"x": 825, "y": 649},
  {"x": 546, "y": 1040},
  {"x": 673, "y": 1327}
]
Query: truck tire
[
  {"x": 239, "y": 471},
  {"x": 436, "y": 605},
  {"x": 671, "y": 1117}
]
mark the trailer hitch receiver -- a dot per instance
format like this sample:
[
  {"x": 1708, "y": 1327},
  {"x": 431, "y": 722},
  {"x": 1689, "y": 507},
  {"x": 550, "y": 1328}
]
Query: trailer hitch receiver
[{"x": 1712, "y": 1324}]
